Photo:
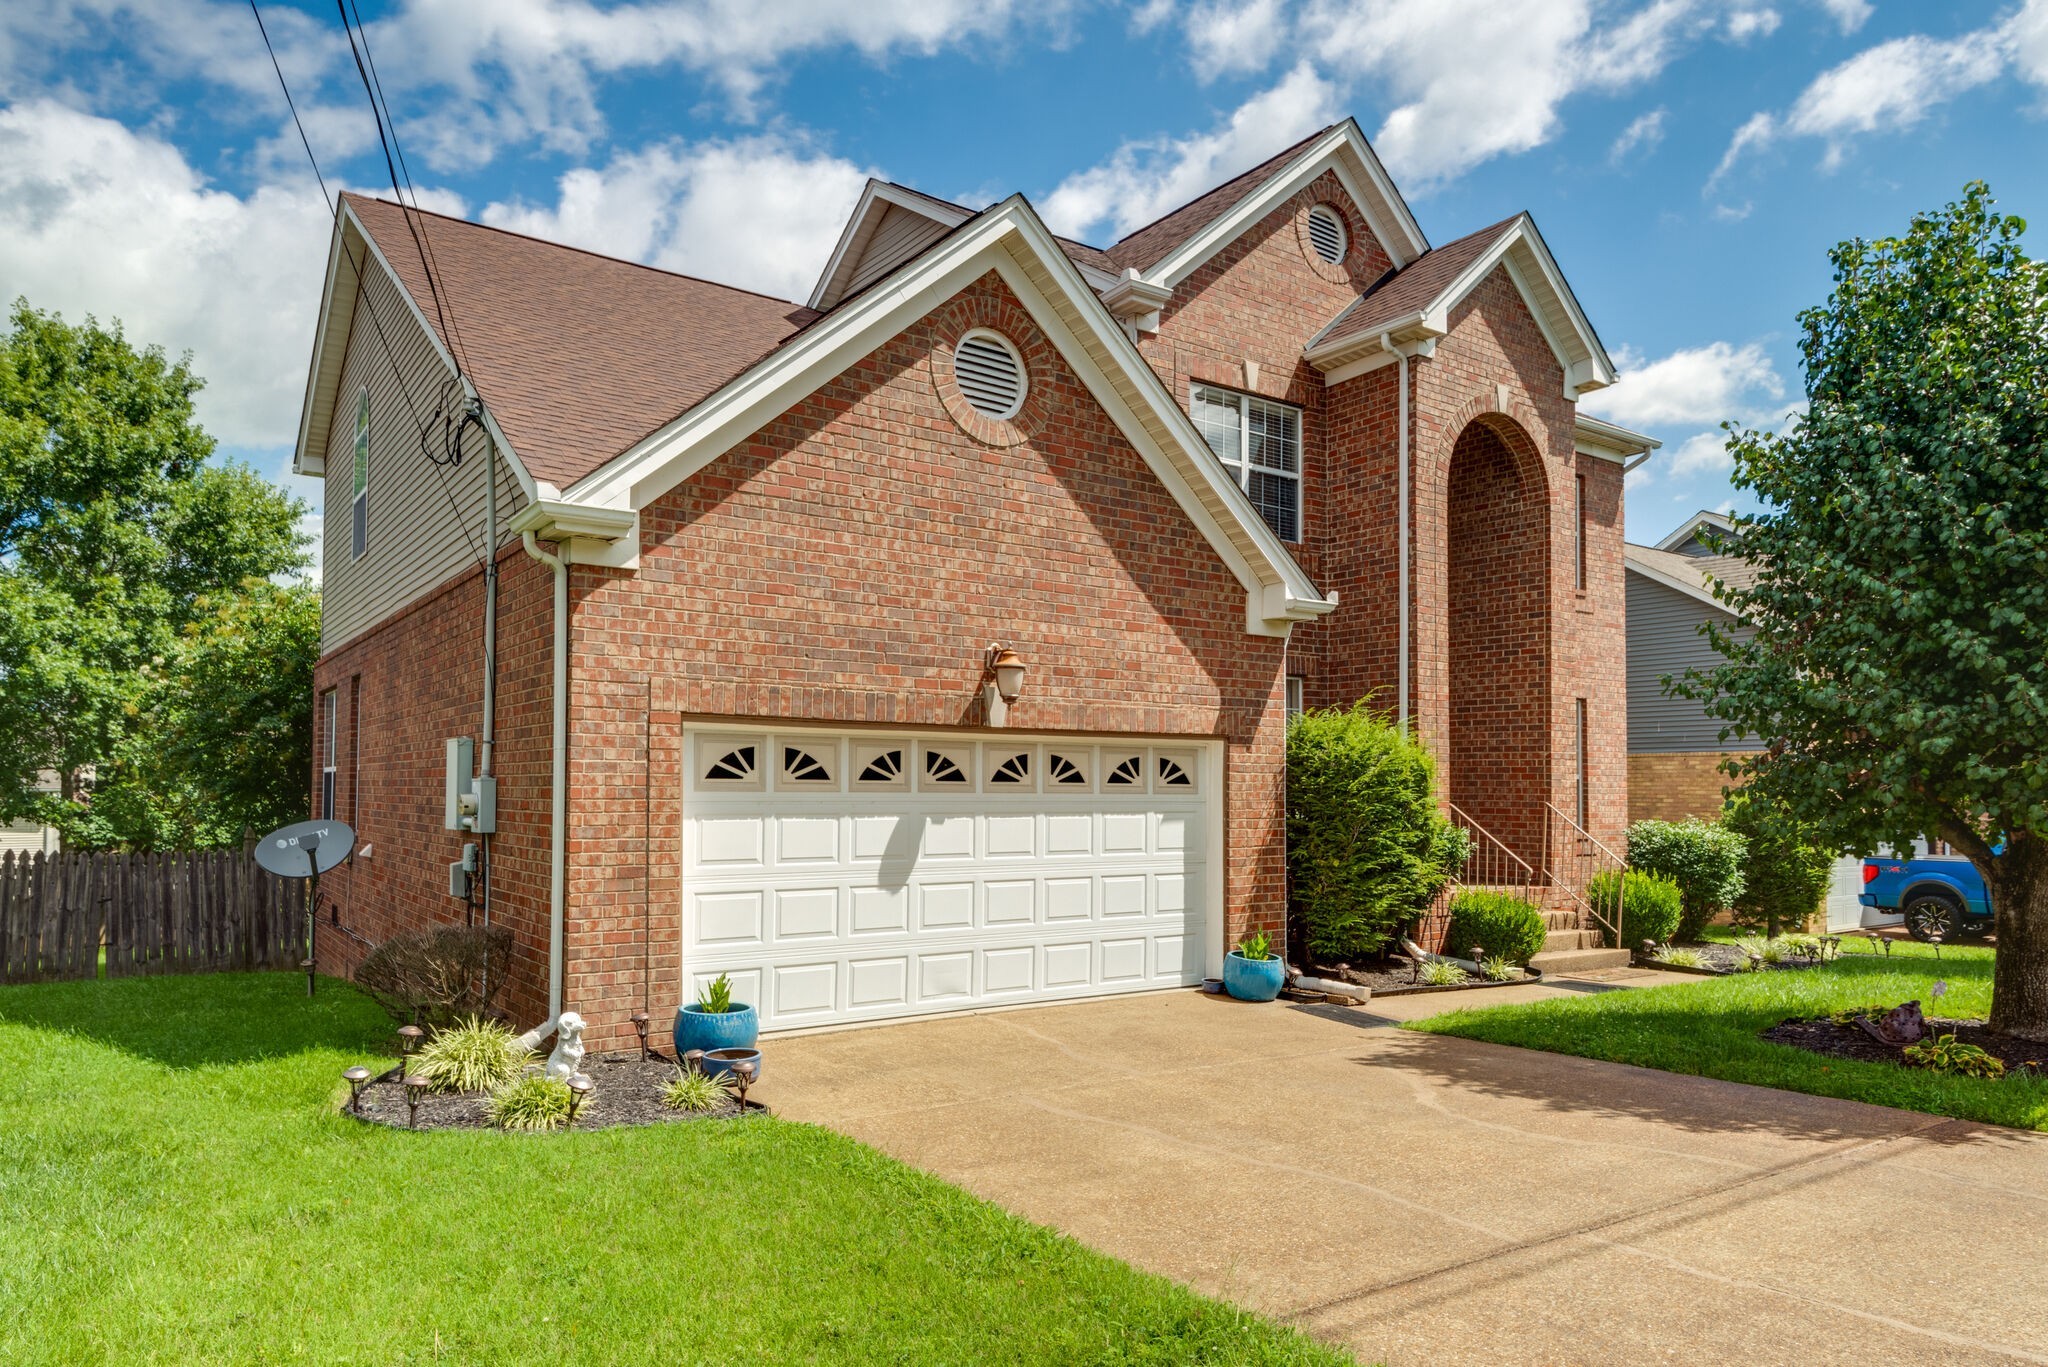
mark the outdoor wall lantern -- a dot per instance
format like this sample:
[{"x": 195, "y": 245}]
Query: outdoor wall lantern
[{"x": 1002, "y": 683}]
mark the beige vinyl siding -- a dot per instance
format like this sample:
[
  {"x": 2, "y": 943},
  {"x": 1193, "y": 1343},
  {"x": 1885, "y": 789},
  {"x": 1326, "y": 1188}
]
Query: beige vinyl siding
[
  {"x": 1663, "y": 638},
  {"x": 27, "y": 837},
  {"x": 898, "y": 237},
  {"x": 419, "y": 512}
]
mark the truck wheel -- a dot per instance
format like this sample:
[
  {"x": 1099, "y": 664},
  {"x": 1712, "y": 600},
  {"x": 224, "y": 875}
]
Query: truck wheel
[{"x": 1934, "y": 913}]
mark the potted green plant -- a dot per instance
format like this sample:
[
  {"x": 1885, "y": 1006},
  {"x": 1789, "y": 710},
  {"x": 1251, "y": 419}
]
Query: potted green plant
[
  {"x": 1253, "y": 972},
  {"x": 715, "y": 1020}
]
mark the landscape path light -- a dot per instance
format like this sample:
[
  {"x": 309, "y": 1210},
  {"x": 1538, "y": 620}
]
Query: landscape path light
[
  {"x": 415, "y": 1088},
  {"x": 579, "y": 1088},
  {"x": 356, "y": 1077},
  {"x": 640, "y": 1029},
  {"x": 409, "y": 1037}
]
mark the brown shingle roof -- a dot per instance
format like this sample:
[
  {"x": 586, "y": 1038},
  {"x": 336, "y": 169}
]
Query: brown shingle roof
[
  {"x": 1152, "y": 243},
  {"x": 1403, "y": 293},
  {"x": 1703, "y": 570},
  {"x": 577, "y": 355}
]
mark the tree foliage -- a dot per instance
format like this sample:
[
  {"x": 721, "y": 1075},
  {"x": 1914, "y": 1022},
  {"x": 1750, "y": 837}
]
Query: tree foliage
[
  {"x": 1704, "y": 859},
  {"x": 1897, "y": 674},
  {"x": 123, "y": 548},
  {"x": 1367, "y": 846},
  {"x": 1788, "y": 869}
]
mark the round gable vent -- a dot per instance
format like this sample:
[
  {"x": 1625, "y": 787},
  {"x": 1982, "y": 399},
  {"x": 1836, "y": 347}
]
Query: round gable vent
[
  {"x": 1326, "y": 233},
  {"x": 990, "y": 374}
]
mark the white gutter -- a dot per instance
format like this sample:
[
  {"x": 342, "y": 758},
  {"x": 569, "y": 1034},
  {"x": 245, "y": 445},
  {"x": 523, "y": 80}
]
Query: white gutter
[{"x": 558, "y": 854}]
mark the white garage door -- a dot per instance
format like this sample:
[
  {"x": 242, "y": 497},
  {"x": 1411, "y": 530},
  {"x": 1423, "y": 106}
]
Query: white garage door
[{"x": 860, "y": 876}]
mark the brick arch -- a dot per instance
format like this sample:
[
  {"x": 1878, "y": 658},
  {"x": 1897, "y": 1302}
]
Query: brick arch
[{"x": 1497, "y": 623}]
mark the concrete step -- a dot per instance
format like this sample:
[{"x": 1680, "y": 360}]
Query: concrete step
[
  {"x": 1565, "y": 962},
  {"x": 1558, "y": 940},
  {"x": 1564, "y": 919}
]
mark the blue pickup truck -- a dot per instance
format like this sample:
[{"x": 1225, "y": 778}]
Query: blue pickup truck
[{"x": 1938, "y": 894}]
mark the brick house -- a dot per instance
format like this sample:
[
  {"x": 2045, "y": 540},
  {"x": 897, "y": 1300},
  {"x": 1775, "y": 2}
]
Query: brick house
[{"x": 1272, "y": 450}]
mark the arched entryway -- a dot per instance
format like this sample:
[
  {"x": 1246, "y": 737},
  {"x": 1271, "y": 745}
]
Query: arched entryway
[{"x": 1499, "y": 624}]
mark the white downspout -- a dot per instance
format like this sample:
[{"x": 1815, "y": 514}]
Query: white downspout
[{"x": 558, "y": 854}]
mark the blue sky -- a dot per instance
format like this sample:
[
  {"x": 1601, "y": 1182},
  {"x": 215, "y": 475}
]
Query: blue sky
[{"x": 1689, "y": 161}]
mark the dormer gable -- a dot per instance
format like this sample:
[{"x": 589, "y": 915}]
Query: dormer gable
[{"x": 890, "y": 225}]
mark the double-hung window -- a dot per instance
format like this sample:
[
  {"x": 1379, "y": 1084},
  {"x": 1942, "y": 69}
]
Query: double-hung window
[
  {"x": 359, "y": 498},
  {"x": 1259, "y": 442}
]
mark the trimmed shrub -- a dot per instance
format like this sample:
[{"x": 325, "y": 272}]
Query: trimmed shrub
[
  {"x": 1651, "y": 905},
  {"x": 1507, "y": 927},
  {"x": 436, "y": 976},
  {"x": 1367, "y": 846},
  {"x": 1786, "y": 875},
  {"x": 1704, "y": 858}
]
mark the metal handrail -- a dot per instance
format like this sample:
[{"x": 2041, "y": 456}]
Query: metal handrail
[
  {"x": 1492, "y": 850},
  {"x": 1574, "y": 887}
]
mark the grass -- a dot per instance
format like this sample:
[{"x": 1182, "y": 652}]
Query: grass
[
  {"x": 1709, "y": 1029},
  {"x": 175, "y": 1186}
]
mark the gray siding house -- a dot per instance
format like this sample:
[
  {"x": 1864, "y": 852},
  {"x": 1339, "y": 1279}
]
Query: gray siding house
[{"x": 1674, "y": 748}]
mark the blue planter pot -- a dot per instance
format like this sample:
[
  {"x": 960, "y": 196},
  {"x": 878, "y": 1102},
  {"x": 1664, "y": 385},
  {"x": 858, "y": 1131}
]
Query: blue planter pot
[
  {"x": 1253, "y": 980},
  {"x": 697, "y": 1028},
  {"x": 722, "y": 1060}
]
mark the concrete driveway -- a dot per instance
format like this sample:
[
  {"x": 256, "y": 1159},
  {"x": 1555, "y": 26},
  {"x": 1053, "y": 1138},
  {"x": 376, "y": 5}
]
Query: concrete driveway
[{"x": 1431, "y": 1200}]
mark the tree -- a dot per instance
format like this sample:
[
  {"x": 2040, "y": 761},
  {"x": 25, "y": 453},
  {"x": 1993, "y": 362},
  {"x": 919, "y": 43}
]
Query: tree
[
  {"x": 1787, "y": 871},
  {"x": 1897, "y": 677},
  {"x": 1367, "y": 847},
  {"x": 117, "y": 533}
]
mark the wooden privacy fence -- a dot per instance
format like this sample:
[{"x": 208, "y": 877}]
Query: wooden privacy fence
[{"x": 153, "y": 913}]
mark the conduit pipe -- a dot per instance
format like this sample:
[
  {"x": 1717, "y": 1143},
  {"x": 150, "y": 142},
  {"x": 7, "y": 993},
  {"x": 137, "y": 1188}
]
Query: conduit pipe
[{"x": 558, "y": 852}]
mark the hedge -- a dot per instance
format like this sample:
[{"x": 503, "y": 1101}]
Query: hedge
[
  {"x": 1503, "y": 924},
  {"x": 1705, "y": 860},
  {"x": 1651, "y": 905}
]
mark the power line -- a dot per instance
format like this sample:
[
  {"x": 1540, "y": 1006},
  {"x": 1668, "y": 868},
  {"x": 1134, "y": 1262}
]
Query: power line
[
  {"x": 408, "y": 212},
  {"x": 433, "y": 262},
  {"x": 362, "y": 292}
]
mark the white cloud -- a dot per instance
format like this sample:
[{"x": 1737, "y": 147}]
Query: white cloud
[
  {"x": 1746, "y": 24},
  {"x": 1645, "y": 132},
  {"x": 507, "y": 71},
  {"x": 1151, "y": 15},
  {"x": 1705, "y": 453},
  {"x": 1848, "y": 15},
  {"x": 1709, "y": 383},
  {"x": 1233, "y": 37},
  {"x": 1894, "y": 85},
  {"x": 760, "y": 212},
  {"x": 1474, "y": 79},
  {"x": 1144, "y": 180},
  {"x": 97, "y": 219}
]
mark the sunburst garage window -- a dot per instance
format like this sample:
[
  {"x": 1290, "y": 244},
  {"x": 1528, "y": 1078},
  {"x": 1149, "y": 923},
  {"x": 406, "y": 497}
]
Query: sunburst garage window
[{"x": 1259, "y": 442}]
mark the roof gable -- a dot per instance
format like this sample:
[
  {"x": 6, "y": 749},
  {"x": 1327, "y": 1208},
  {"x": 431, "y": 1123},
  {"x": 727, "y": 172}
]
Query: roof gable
[
  {"x": 1010, "y": 239},
  {"x": 577, "y": 356},
  {"x": 1410, "y": 309},
  {"x": 1169, "y": 250}
]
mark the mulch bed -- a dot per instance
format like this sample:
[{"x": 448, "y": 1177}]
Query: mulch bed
[
  {"x": 626, "y": 1091},
  {"x": 1396, "y": 978},
  {"x": 1823, "y": 1036},
  {"x": 1724, "y": 958}
]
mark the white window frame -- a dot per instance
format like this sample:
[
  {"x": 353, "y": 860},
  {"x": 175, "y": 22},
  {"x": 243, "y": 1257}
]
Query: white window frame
[
  {"x": 1242, "y": 468},
  {"x": 1295, "y": 684},
  {"x": 359, "y": 480}
]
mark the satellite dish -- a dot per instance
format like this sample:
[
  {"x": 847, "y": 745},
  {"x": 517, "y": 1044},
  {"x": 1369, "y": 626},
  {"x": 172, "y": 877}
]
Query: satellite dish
[{"x": 305, "y": 849}]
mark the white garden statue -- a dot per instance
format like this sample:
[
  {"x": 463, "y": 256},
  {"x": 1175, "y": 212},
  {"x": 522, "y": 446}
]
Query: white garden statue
[{"x": 567, "y": 1059}]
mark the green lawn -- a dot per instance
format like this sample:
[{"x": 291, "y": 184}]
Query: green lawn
[
  {"x": 1709, "y": 1028},
  {"x": 174, "y": 1186}
]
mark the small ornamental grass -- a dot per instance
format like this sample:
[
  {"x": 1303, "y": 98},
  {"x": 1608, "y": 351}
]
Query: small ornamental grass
[
  {"x": 1680, "y": 958},
  {"x": 694, "y": 1091},
  {"x": 1500, "y": 970},
  {"x": 1437, "y": 973},
  {"x": 475, "y": 1055},
  {"x": 534, "y": 1102},
  {"x": 1945, "y": 1054}
]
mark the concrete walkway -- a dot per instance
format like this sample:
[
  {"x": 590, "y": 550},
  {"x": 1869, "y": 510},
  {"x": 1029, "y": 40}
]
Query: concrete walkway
[{"x": 1432, "y": 1200}]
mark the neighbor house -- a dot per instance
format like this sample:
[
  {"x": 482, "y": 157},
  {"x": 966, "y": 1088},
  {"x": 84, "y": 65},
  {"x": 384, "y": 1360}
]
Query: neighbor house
[
  {"x": 1675, "y": 749},
  {"x": 778, "y": 563},
  {"x": 32, "y": 837}
]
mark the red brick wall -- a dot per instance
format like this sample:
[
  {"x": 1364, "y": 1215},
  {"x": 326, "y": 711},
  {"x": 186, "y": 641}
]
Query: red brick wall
[
  {"x": 420, "y": 681},
  {"x": 1499, "y": 636},
  {"x": 849, "y": 563}
]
